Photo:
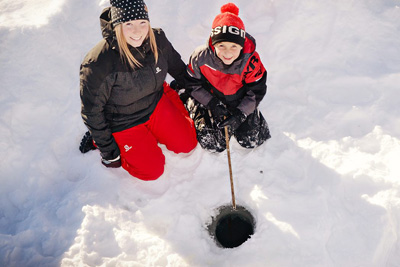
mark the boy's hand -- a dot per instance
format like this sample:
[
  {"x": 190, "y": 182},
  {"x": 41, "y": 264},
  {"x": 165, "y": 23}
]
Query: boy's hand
[
  {"x": 218, "y": 109},
  {"x": 234, "y": 121}
]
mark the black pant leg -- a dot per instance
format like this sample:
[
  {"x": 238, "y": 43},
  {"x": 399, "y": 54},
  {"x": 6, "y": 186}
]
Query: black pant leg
[
  {"x": 209, "y": 136},
  {"x": 254, "y": 131}
]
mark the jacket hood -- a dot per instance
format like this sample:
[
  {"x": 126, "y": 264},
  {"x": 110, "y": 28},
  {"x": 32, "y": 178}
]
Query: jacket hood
[{"x": 107, "y": 30}]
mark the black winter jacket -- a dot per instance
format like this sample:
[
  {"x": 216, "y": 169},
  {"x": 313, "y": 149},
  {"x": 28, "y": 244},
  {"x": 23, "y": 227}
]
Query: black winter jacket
[{"x": 113, "y": 96}]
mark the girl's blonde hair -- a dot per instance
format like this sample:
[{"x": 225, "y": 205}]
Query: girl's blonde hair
[{"x": 126, "y": 54}]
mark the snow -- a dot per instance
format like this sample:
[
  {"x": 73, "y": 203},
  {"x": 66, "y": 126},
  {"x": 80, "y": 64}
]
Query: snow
[{"x": 324, "y": 190}]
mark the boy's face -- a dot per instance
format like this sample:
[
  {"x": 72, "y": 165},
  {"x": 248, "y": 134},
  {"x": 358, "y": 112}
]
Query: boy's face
[{"x": 227, "y": 51}]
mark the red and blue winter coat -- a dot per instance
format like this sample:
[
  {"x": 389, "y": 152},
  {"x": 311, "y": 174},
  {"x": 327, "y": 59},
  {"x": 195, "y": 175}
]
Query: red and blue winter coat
[{"x": 240, "y": 85}]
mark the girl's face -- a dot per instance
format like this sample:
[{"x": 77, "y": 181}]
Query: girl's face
[
  {"x": 135, "y": 31},
  {"x": 227, "y": 51}
]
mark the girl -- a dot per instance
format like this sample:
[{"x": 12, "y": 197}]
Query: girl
[{"x": 126, "y": 104}]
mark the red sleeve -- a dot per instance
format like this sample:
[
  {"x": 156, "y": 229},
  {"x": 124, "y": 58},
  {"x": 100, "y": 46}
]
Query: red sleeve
[{"x": 254, "y": 69}]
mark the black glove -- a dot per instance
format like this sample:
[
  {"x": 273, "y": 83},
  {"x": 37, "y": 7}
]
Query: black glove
[
  {"x": 218, "y": 109},
  {"x": 87, "y": 143},
  {"x": 234, "y": 121},
  {"x": 112, "y": 163},
  {"x": 183, "y": 95},
  {"x": 174, "y": 85}
]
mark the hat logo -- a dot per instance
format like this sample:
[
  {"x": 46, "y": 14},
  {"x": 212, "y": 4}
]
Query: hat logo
[{"x": 230, "y": 29}]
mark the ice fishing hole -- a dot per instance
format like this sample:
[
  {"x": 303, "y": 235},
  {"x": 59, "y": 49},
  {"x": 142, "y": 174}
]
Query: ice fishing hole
[{"x": 230, "y": 228}]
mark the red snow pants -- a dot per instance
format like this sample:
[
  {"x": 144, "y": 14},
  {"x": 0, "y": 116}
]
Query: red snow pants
[{"x": 169, "y": 124}]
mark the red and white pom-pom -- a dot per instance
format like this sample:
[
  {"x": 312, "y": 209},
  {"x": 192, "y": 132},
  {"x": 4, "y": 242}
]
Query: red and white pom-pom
[{"x": 230, "y": 7}]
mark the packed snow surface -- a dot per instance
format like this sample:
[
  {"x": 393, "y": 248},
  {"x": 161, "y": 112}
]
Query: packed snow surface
[{"x": 324, "y": 190}]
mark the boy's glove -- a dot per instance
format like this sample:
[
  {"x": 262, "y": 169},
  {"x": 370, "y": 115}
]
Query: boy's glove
[
  {"x": 234, "y": 121},
  {"x": 218, "y": 109},
  {"x": 112, "y": 163}
]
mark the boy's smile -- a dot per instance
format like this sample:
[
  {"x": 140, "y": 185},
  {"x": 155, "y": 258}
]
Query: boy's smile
[{"x": 227, "y": 51}]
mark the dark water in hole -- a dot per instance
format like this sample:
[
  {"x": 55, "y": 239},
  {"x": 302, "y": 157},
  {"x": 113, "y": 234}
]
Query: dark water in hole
[{"x": 232, "y": 230}]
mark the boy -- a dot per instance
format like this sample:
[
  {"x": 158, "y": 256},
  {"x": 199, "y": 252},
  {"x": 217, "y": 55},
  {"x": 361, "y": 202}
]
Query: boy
[{"x": 226, "y": 81}]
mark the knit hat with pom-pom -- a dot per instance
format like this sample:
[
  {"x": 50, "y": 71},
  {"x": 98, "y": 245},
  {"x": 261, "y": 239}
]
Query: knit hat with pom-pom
[
  {"x": 127, "y": 10},
  {"x": 228, "y": 27}
]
